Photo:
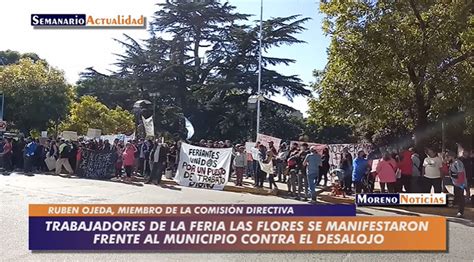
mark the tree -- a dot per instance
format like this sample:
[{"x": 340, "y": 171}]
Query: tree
[
  {"x": 89, "y": 113},
  {"x": 9, "y": 57},
  {"x": 403, "y": 63},
  {"x": 205, "y": 69},
  {"x": 35, "y": 93}
]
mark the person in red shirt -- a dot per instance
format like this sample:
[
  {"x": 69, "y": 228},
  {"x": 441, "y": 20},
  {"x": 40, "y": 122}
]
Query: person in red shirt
[
  {"x": 129, "y": 160},
  {"x": 406, "y": 168}
]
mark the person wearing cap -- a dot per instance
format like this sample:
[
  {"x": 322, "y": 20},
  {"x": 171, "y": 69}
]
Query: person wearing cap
[
  {"x": 458, "y": 176},
  {"x": 312, "y": 162}
]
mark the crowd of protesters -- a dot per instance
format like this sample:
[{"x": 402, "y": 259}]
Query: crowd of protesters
[
  {"x": 301, "y": 167},
  {"x": 145, "y": 158}
]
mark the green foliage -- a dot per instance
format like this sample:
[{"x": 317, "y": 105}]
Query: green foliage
[
  {"x": 90, "y": 113},
  {"x": 205, "y": 69},
  {"x": 395, "y": 63},
  {"x": 35, "y": 93}
]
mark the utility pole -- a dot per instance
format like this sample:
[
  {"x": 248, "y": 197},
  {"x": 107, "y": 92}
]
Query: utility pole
[{"x": 259, "y": 67}]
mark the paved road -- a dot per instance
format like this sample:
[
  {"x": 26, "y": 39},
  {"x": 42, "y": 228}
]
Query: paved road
[{"x": 17, "y": 191}]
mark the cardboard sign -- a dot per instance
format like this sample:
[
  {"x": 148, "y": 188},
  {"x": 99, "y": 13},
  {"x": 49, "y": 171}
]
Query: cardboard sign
[
  {"x": 93, "y": 133},
  {"x": 69, "y": 135}
]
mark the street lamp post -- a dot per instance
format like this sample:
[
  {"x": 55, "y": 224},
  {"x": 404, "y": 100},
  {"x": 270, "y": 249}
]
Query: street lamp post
[
  {"x": 154, "y": 95},
  {"x": 259, "y": 67}
]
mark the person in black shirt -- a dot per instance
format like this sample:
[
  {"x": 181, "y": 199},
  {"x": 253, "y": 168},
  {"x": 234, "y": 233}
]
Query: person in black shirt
[{"x": 324, "y": 168}]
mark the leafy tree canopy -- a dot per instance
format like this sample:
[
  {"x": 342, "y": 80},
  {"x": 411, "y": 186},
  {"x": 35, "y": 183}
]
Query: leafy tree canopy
[
  {"x": 90, "y": 113},
  {"x": 402, "y": 63},
  {"x": 35, "y": 93}
]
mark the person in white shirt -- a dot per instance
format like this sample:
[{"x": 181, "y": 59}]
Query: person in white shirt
[{"x": 432, "y": 171}]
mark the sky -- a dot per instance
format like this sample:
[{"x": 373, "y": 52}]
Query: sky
[{"x": 74, "y": 50}]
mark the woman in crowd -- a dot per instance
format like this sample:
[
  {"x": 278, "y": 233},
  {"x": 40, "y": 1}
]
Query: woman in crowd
[
  {"x": 324, "y": 169},
  {"x": 457, "y": 173},
  {"x": 239, "y": 164},
  {"x": 129, "y": 160},
  {"x": 346, "y": 166},
  {"x": 119, "y": 161},
  {"x": 432, "y": 170},
  {"x": 386, "y": 169}
]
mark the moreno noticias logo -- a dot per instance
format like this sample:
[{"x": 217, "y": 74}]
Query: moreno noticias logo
[
  {"x": 86, "y": 21},
  {"x": 401, "y": 199}
]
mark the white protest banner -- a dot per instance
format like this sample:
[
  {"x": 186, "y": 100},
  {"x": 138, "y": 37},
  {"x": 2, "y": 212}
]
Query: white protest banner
[
  {"x": 319, "y": 147},
  {"x": 249, "y": 146},
  {"x": 149, "y": 126},
  {"x": 69, "y": 135},
  {"x": 202, "y": 167},
  {"x": 335, "y": 152},
  {"x": 375, "y": 163},
  {"x": 93, "y": 133},
  {"x": 264, "y": 140}
]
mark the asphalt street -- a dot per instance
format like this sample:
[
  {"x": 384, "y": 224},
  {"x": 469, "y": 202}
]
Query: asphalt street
[{"x": 17, "y": 191}]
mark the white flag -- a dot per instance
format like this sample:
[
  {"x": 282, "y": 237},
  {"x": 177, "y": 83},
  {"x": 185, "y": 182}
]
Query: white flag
[
  {"x": 189, "y": 127},
  {"x": 149, "y": 126}
]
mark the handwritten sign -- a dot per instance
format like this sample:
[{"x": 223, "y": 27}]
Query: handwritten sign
[
  {"x": 201, "y": 167},
  {"x": 96, "y": 164}
]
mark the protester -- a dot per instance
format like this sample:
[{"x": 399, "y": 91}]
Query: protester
[
  {"x": 458, "y": 176},
  {"x": 302, "y": 174},
  {"x": 30, "y": 151},
  {"x": 468, "y": 165},
  {"x": 18, "y": 151},
  {"x": 346, "y": 166},
  {"x": 324, "y": 169},
  {"x": 260, "y": 176},
  {"x": 239, "y": 164},
  {"x": 360, "y": 169},
  {"x": 385, "y": 170},
  {"x": 158, "y": 158},
  {"x": 53, "y": 150},
  {"x": 7, "y": 155},
  {"x": 432, "y": 172},
  {"x": 406, "y": 169},
  {"x": 119, "y": 162},
  {"x": 144, "y": 167},
  {"x": 270, "y": 159},
  {"x": 129, "y": 160},
  {"x": 280, "y": 161},
  {"x": 256, "y": 165},
  {"x": 417, "y": 168},
  {"x": 292, "y": 164},
  {"x": 313, "y": 163},
  {"x": 63, "y": 160},
  {"x": 171, "y": 158},
  {"x": 249, "y": 171}
]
